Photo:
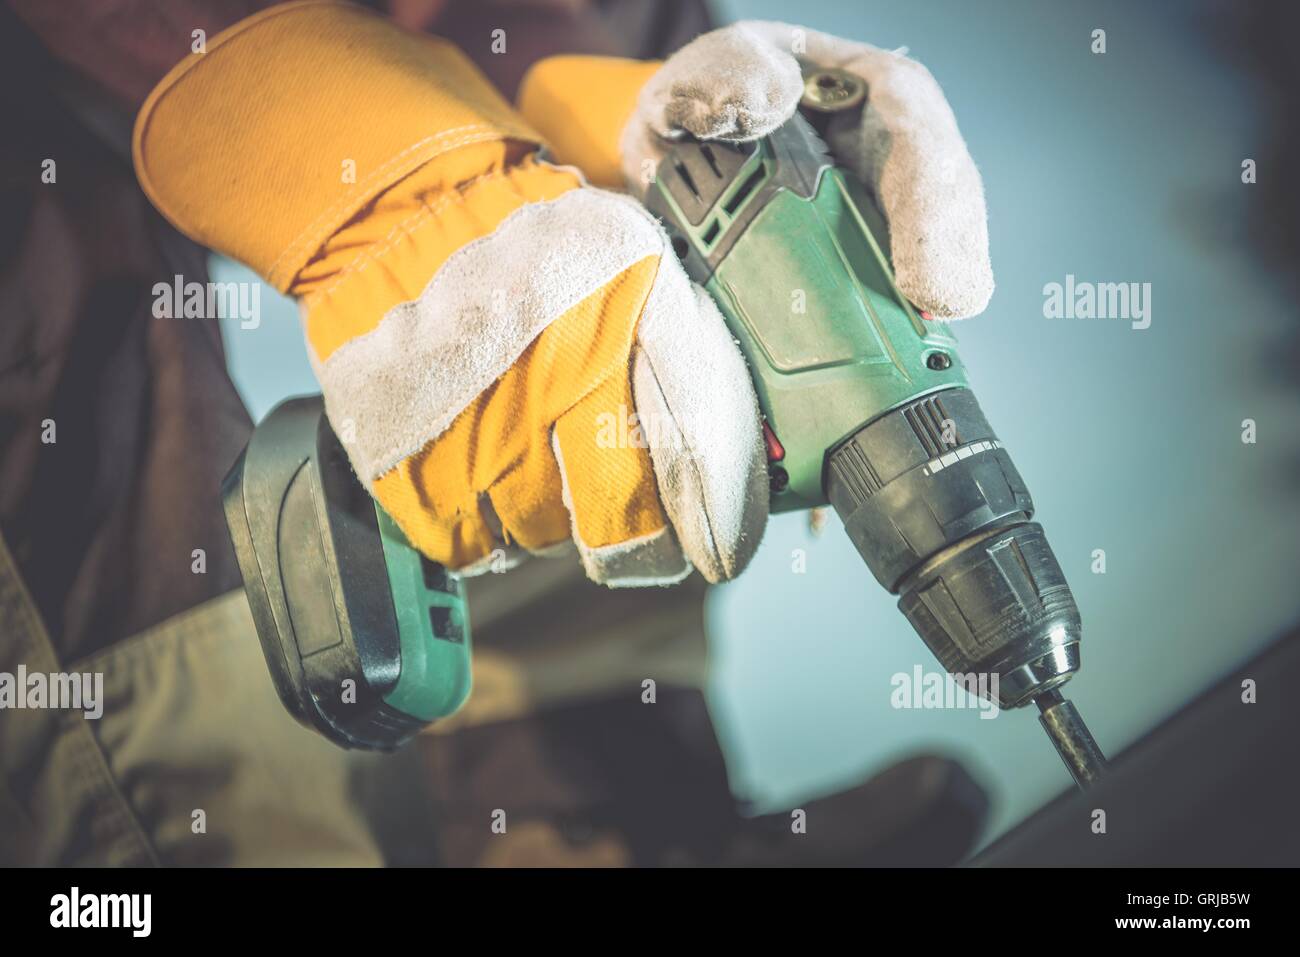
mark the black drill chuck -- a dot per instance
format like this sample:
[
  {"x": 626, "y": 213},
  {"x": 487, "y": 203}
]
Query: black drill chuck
[{"x": 941, "y": 516}]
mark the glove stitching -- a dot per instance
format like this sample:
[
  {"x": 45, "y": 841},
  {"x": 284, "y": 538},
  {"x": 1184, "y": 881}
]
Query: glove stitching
[
  {"x": 471, "y": 134},
  {"x": 408, "y": 226}
]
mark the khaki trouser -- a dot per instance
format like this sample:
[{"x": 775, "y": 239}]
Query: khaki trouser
[{"x": 194, "y": 760}]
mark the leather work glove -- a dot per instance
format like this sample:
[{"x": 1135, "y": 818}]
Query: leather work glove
[
  {"x": 493, "y": 337},
  {"x": 511, "y": 357},
  {"x": 743, "y": 81}
]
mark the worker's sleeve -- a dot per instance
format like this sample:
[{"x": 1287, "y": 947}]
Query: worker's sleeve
[
  {"x": 122, "y": 48},
  {"x": 296, "y": 119},
  {"x": 581, "y": 105}
]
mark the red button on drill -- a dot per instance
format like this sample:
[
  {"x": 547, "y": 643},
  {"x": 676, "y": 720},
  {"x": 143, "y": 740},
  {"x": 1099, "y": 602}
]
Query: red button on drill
[{"x": 775, "y": 451}]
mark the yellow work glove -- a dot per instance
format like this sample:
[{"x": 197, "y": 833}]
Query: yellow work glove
[{"x": 512, "y": 359}]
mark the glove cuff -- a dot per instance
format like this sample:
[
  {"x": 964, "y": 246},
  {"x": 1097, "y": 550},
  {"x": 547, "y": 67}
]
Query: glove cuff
[{"x": 294, "y": 119}]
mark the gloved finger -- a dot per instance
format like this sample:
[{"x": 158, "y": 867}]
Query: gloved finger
[
  {"x": 908, "y": 149},
  {"x": 527, "y": 504},
  {"x": 694, "y": 396},
  {"x": 432, "y": 496},
  {"x": 728, "y": 84},
  {"x": 454, "y": 533},
  {"x": 619, "y": 527}
]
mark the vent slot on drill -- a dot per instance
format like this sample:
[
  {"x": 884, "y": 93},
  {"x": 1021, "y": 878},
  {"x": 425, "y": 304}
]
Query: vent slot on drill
[
  {"x": 434, "y": 575},
  {"x": 747, "y": 187},
  {"x": 711, "y": 160},
  {"x": 687, "y": 180},
  {"x": 445, "y": 625}
]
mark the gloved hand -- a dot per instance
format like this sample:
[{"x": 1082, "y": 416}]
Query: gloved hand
[
  {"x": 484, "y": 325},
  {"x": 743, "y": 81}
]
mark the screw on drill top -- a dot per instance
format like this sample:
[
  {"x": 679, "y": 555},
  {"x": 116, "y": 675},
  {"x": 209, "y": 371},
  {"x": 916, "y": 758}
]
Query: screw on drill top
[{"x": 832, "y": 90}]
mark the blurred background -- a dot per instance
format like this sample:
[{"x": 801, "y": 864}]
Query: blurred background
[{"x": 1117, "y": 167}]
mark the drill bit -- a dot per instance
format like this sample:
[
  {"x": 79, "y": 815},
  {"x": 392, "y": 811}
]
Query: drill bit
[{"x": 1073, "y": 740}]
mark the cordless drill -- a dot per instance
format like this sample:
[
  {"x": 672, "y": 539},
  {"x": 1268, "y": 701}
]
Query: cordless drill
[{"x": 866, "y": 407}]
